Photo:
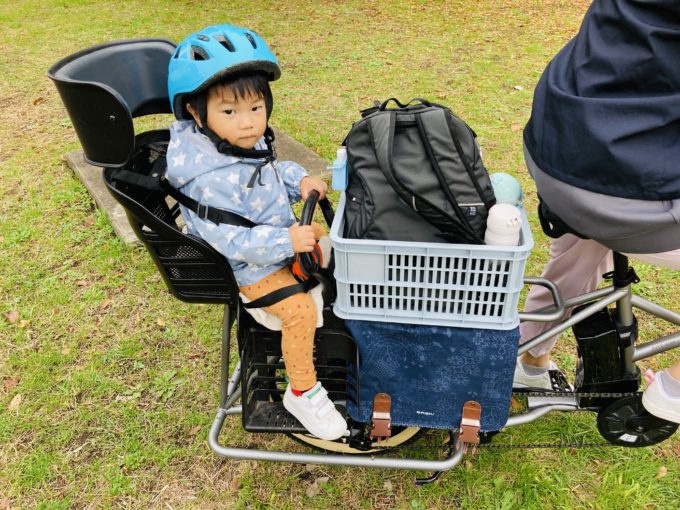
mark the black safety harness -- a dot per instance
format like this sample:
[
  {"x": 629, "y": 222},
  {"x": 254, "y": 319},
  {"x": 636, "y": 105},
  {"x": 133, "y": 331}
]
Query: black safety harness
[{"x": 157, "y": 181}]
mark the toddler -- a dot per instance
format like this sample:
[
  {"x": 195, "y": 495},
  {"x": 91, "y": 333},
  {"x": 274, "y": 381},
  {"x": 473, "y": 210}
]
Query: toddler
[{"x": 220, "y": 156}]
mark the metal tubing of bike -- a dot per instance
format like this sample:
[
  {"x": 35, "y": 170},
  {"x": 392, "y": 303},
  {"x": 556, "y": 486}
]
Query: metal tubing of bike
[
  {"x": 549, "y": 313},
  {"x": 624, "y": 308},
  {"x": 234, "y": 380},
  {"x": 327, "y": 459},
  {"x": 625, "y": 318},
  {"x": 657, "y": 346},
  {"x": 656, "y": 310},
  {"x": 224, "y": 357},
  {"x": 537, "y": 412},
  {"x": 605, "y": 301},
  {"x": 540, "y": 314}
]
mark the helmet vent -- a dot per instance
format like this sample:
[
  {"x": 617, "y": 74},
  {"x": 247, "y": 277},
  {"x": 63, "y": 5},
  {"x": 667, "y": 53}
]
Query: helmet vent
[
  {"x": 225, "y": 42},
  {"x": 251, "y": 39},
  {"x": 198, "y": 53}
]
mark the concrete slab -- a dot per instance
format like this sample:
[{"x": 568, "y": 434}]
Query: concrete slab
[
  {"x": 91, "y": 177},
  {"x": 287, "y": 148}
]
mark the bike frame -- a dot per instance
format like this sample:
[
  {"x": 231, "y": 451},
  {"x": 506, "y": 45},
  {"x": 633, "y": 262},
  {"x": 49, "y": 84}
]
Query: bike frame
[{"x": 620, "y": 293}]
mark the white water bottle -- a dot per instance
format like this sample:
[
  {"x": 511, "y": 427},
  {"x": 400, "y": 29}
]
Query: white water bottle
[
  {"x": 339, "y": 169},
  {"x": 503, "y": 225}
]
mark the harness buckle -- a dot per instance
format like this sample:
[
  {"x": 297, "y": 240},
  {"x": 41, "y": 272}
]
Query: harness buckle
[{"x": 202, "y": 211}]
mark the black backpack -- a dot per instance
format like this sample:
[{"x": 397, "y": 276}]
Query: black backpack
[{"x": 415, "y": 174}]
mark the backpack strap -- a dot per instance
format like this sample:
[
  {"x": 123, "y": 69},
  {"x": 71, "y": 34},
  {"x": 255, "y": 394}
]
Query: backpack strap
[
  {"x": 382, "y": 128},
  {"x": 438, "y": 123},
  {"x": 437, "y": 135}
]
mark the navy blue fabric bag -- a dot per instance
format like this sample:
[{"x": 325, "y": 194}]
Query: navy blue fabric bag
[{"x": 431, "y": 371}]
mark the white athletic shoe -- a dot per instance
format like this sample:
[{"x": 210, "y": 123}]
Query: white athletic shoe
[
  {"x": 659, "y": 403},
  {"x": 551, "y": 380},
  {"x": 316, "y": 412}
]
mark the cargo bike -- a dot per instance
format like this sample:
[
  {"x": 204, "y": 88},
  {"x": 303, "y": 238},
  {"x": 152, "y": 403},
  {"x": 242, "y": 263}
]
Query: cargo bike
[{"x": 385, "y": 303}]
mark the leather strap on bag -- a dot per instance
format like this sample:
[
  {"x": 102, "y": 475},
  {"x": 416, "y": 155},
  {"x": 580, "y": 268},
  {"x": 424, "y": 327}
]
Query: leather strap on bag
[
  {"x": 470, "y": 422},
  {"x": 381, "y": 423}
]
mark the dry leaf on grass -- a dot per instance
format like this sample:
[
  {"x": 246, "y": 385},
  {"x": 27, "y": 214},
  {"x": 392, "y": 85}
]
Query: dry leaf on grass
[
  {"x": 515, "y": 404},
  {"x": 15, "y": 403},
  {"x": 315, "y": 488},
  {"x": 516, "y": 127},
  {"x": 12, "y": 316},
  {"x": 160, "y": 322},
  {"x": 104, "y": 304},
  {"x": 8, "y": 384},
  {"x": 663, "y": 471}
]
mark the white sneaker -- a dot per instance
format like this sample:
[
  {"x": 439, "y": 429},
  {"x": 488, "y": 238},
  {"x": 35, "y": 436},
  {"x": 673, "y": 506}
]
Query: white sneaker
[
  {"x": 316, "y": 412},
  {"x": 551, "y": 380},
  {"x": 659, "y": 403}
]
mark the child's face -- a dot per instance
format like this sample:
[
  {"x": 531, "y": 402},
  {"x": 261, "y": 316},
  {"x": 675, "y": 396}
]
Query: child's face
[{"x": 241, "y": 121}]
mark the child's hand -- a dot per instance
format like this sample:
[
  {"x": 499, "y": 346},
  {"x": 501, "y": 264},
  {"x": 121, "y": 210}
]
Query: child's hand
[
  {"x": 310, "y": 183},
  {"x": 302, "y": 238}
]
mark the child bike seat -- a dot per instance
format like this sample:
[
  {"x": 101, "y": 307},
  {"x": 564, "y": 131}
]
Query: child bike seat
[{"x": 104, "y": 87}]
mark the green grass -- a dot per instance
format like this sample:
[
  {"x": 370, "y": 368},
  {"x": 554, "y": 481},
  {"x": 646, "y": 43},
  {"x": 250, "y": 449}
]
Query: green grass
[{"x": 118, "y": 380}]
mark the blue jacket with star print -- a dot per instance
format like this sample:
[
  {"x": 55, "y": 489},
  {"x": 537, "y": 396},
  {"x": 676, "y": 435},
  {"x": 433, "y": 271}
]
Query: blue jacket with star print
[{"x": 198, "y": 170}]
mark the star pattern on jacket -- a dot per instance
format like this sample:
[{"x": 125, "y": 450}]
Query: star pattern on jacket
[
  {"x": 179, "y": 159},
  {"x": 206, "y": 193},
  {"x": 219, "y": 180},
  {"x": 257, "y": 204}
]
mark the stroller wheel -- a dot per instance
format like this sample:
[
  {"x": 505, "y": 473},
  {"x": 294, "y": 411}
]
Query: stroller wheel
[
  {"x": 625, "y": 422},
  {"x": 400, "y": 437}
]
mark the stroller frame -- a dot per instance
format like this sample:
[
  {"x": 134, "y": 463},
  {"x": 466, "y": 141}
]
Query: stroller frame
[{"x": 106, "y": 86}]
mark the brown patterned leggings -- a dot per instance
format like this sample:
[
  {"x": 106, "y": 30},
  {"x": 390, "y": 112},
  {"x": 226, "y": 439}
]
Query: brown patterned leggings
[{"x": 298, "y": 318}]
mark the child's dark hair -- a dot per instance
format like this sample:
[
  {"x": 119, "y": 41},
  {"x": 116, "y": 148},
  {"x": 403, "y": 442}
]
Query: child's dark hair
[
  {"x": 255, "y": 83},
  {"x": 244, "y": 84}
]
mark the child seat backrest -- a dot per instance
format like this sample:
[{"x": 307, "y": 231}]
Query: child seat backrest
[
  {"x": 192, "y": 269},
  {"x": 103, "y": 88}
]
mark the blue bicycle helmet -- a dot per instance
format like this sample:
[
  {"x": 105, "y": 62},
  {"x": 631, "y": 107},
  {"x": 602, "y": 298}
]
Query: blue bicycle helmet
[{"x": 212, "y": 54}]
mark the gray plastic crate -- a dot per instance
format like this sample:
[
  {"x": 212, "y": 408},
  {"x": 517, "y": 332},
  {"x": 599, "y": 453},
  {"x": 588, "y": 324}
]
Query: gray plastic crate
[{"x": 462, "y": 285}]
